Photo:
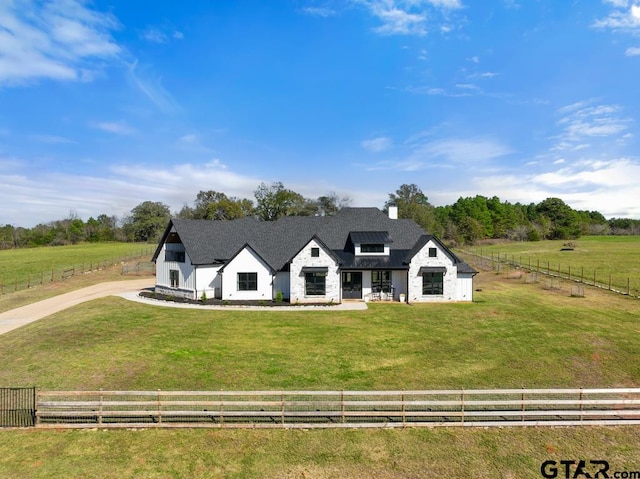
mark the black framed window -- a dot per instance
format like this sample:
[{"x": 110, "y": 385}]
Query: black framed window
[
  {"x": 432, "y": 283},
  {"x": 247, "y": 281},
  {"x": 433, "y": 252},
  {"x": 315, "y": 284},
  {"x": 372, "y": 248},
  {"x": 174, "y": 278},
  {"x": 315, "y": 252},
  {"x": 381, "y": 281}
]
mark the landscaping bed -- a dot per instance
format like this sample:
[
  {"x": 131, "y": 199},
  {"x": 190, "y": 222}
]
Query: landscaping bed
[{"x": 226, "y": 302}]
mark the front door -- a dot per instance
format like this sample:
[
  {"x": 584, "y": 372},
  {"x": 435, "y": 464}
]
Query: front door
[{"x": 351, "y": 285}]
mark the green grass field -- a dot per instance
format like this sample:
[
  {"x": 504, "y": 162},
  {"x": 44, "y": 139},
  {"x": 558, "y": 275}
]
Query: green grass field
[
  {"x": 18, "y": 264},
  {"x": 609, "y": 257},
  {"x": 515, "y": 334}
]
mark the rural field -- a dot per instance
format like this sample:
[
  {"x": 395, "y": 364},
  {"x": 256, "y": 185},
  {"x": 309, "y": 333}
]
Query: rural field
[
  {"x": 515, "y": 334},
  {"x": 32, "y": 274},
  {"x": 608, "y": 258}
]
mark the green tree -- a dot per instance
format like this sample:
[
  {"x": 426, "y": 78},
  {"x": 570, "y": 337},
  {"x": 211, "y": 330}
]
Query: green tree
[
  {"x": 214, "y": 205},
  {"x": 565, "y": 222},
  {"x": 413, "y": 204},
  {"x": 275, "y": 201},
  {"x": 147, "y": 221}
]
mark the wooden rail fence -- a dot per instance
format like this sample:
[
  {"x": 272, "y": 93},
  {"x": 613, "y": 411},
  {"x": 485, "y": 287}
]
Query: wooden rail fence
[{"x": 337, "y": 409}]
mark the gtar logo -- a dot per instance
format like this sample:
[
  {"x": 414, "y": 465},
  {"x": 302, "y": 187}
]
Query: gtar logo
[{"x": 592, "y": 469}]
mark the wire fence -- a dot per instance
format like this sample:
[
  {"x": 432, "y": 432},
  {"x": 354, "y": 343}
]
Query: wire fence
[
  {"x": 53, "y": 275},
  {"x": 515, "y": 268},
  {"x": 337, "y": 409}
]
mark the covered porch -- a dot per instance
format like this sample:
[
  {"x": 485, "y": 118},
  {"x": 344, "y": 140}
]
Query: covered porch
[{"x": 373, "y": 285}]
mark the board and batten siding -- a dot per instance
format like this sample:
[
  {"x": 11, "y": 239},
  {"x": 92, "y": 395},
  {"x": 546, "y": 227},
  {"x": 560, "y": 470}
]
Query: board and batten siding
[
  {"x": 450, "y": 279},
  {"x": 304, "y": 260},
  {"x": 187, "y": 277},
  {"x": 247, "y": 261}
]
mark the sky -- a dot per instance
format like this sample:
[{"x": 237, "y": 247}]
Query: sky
[{"x": 106, "y": 104}]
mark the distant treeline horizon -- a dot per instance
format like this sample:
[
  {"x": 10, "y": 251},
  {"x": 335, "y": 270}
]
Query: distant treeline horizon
[{"x": 464, "y": 222}]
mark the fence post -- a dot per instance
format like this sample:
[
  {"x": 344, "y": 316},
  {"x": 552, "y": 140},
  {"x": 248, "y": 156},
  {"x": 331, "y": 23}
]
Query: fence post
[
  {"x": 628, "y": 287},
  {"x": 462, "y": 406},
  {"x": 404, "y": 419},
  {"x": 581, "y": 405},
  {"x": 609, "y": 281},
  {"x": 523, "y": 407},
  {"x": 569, "y": 271},
  {"x": 594, "y": 277},
  {"x": 342, "y": 405},
  {"x": 159, "y": 408},
  {"x": 100, "y": 408},
  {"x": 282, "y": 409},
  {"x": 15, "y": 285},
  {"x": 35, "y": 418}
]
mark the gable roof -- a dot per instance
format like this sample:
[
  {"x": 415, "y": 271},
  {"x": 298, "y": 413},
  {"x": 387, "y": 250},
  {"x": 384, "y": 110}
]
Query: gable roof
[
  {"x": 463, "y": 267},
  {"x": 277, "y": 242}
]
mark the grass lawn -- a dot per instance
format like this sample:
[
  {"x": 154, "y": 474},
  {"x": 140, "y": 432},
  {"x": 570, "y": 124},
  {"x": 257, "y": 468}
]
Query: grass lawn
[
  {"x": 617, "y": 257},
  {"x": 36, "y": 262},
  {"x": 514, "y": 335},
  {"x": 59, "y": 258}
]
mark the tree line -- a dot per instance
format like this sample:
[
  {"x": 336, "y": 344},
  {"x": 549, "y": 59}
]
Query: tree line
[{"x": 466, "y": 221}]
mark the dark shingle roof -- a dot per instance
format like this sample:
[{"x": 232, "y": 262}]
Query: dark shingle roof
[{"x": 277, "y": 242}]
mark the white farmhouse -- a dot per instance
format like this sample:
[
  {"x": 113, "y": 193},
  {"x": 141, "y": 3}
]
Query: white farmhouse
[{"x": 359, "y": 254}]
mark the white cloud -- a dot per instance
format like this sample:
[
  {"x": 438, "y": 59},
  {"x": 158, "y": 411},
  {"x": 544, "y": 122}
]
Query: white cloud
[
  {"x": 151, "y": 87},
  {"x": 115, "y": 127},
  {"x": 464, "y": 150},
  {"x": 581, "y": 122},
  {"x": 625, "y": 17},
  {"x": 409, "y": 17},
  {"x": 159, "y": 35},
  {"x": 318, "y": 11},
  {"x": 52, "y": 139},
  {"x": 377, "y": 145},
  {"x": 632, "y": 52},
  {"x": 604, "y": 186},
  {"x": 58, "y": 40}
]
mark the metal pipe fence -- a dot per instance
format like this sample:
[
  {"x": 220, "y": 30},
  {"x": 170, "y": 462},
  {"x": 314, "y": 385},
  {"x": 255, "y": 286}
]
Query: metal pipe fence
[{"x": 507, "y": 263}]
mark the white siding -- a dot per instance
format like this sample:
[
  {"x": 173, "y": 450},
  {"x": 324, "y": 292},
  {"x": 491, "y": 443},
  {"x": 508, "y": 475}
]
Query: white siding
[
  {"x": 450, "y": 280},
  {"x": 304, "y": 259},
  {"x": 208, "y": 281},
  {"x": 247, "y": 261},
  {"x": 282, "y": 283},
  {"x": 465, "y": 287},
  {"x": 186, "y": 283}
]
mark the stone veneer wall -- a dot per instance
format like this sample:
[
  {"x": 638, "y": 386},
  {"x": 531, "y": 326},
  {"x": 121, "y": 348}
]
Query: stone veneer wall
[
  {"x": 304, "y": 259},
  {"x": 415, "y": 280}
]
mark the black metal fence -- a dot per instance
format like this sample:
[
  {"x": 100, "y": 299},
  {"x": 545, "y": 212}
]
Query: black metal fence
[{"x": 17, "y": 407}]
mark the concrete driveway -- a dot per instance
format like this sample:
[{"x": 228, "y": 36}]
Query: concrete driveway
[{"x": 15, "y": 318}]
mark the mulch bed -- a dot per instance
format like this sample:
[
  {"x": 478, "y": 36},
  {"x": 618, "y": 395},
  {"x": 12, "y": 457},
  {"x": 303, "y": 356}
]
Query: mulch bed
[{"x": 220, "y": 302}]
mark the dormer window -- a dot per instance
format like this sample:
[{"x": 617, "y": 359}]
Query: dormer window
[
  {"x": 372, "y": 248},
  {"x": 370, "y": 242}
]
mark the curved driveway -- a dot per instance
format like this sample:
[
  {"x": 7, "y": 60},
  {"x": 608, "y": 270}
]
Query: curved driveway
[{"x": 15, "y": 318}]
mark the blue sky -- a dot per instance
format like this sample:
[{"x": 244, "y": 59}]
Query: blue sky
[{"x": 106, "y": 104}]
